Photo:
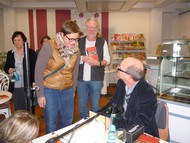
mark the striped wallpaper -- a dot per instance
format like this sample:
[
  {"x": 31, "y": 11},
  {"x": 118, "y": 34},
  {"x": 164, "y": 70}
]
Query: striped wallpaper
[{"x": 45, "y": 22}]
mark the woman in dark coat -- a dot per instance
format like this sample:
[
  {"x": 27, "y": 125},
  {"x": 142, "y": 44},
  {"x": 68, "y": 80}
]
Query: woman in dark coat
[{"x": 15, "y": 64}]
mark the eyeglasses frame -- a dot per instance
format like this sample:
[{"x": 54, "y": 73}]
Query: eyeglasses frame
[
  {"x": 119, "y": 69},
  {"x": 72, "y": 39}
]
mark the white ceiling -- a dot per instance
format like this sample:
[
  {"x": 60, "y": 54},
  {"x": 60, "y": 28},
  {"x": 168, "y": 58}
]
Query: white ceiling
[{"x": 97, "y": 5}]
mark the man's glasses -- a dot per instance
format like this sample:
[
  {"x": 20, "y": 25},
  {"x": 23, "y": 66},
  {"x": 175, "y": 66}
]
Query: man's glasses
[
  {"x": 122, "y": 71},
  {"x": 72, "y": 39}
]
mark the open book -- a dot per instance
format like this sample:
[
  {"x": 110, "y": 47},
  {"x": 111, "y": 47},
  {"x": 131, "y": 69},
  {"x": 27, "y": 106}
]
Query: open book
[{"x": 92, "y": 52}]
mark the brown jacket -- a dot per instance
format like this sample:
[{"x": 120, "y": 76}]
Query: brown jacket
[{"x": 62, "y": 79}]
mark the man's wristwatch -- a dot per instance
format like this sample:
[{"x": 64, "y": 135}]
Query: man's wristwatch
[{"x": 100, "y": 63}]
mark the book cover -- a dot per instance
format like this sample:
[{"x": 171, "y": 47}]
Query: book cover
[
  {"x": 93, "y": 52},
  {"x": 148, "y": 139}
]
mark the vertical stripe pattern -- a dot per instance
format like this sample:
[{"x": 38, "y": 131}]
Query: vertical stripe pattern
[
  {"x": 105, "y": 20},
  {"x": 61, "y": 16},
  {"x": 31, "y": 28},
  {"x": 41, "y": 23}
]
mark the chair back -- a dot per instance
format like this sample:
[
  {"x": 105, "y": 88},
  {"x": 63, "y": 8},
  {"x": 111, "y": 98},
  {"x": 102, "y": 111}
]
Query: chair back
[
  {"x": 4, "y": 82},
  {"x": 162, "y": 120}
]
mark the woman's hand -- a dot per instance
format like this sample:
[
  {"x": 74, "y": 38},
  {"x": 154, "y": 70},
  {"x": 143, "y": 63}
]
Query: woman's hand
[{"x": 11, "y": 70}]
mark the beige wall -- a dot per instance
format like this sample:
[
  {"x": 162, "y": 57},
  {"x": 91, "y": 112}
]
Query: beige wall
[
  {"x": 14, "y": 19},
  {"x": 131, "y": 22},
  {"x": 170, "y": 24},
  {"x": 184, "y": 25},
  {"x": 154, "y": 24},
  {"x": 2, "y": 43}
]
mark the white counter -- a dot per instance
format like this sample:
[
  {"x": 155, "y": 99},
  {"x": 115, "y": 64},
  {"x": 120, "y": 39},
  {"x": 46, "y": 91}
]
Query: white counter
[
  {"x": 179, "y": 121},
  {"x": 106, "y": 80}
]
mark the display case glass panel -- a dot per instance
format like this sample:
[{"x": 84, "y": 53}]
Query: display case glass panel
[
  {"x": 174, "y": 72},
  {"x": 175, "y": 76}
]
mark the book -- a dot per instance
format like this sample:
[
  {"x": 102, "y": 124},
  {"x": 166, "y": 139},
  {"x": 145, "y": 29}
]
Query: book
[
  {"x": 144, "y": 138},
  {"x": 92, "y": 52}
]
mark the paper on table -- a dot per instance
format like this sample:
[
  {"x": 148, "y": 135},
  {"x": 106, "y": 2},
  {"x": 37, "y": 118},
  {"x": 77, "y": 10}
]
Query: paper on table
[
  {"x": 99, "y": 118},
  {"x": 44, "y": 138},
  {"x": 93, "y": 132}
]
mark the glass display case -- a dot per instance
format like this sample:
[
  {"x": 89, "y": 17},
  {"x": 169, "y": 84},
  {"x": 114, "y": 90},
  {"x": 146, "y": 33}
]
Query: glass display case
[{"x": 174, "y": 73}]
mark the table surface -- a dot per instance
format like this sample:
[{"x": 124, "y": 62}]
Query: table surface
[
  {"x": 92, "y": 132},
  {"x": 89, "y": 133},
  {"x": 6, "y": 98}
]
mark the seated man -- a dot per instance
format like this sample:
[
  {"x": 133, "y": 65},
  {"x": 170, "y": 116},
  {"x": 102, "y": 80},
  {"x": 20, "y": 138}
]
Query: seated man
[{"x": 136, "y": 97}]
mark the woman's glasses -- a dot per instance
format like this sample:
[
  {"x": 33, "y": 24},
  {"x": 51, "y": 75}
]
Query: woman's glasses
[{"x": 72, "y": 39}]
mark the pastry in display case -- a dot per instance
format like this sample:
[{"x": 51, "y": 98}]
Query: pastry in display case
[{"x": 174, "y": 73}]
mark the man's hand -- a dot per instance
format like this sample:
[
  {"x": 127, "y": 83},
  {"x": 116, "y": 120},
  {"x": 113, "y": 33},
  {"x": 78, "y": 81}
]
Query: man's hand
[
  {"x": 42, "y": 102},
  {"x": 89, "y": 60},
  {"x": 93, "y": 62}
]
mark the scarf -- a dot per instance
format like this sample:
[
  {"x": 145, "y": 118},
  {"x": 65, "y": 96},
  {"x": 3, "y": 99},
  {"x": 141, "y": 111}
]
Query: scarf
[{"x": 64, "y": 51}]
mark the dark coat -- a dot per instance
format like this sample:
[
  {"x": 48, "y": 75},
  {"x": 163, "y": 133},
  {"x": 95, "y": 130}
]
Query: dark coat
[
  {"x": 10, "y": 63},
  {"x": 141, "y": 107}
]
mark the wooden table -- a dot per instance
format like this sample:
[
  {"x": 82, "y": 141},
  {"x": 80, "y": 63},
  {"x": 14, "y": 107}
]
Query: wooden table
[{"x": 5, "y": 96}]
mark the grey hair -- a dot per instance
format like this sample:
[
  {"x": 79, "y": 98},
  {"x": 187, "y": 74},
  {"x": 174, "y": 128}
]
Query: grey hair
[
  {"x": 97, "y": 24},
  {"x": 135, "y": 72}
]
